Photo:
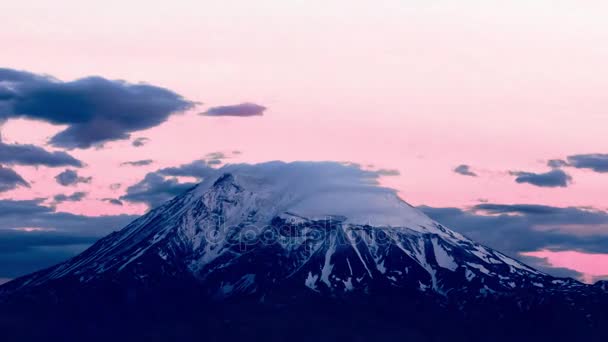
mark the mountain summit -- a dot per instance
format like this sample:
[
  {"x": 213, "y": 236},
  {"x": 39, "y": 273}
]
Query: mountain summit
[{"x": 271, "y": 236}]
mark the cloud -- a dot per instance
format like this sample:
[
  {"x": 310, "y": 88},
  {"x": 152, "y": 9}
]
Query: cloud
[
  {"x": 216, "y": 155},
  {"x": 113, "y": 201},
  {"x": 242, "y": 110},
  {"x": 75, "y": 197},
  {"x": 161, "y": 185},
  {"x": 388, "y": 172},
  {"x": 596, "y": 162},
  {"x": 19, "y": 154},
  {"x": 70, "y": 177},
  {"x": 217, "y": 158},
  {"x": 154, "y": 190},
  {"x": 465, "y": 170},
  {"x": 197, "y": 169},
  {"x": 34, "y": 236},
  {"x": 96, "y": 110},
  {"x": 517, "y": 228},
  {"x": 551, "y": 179},
  {"x": 115, "y": 186},
  {"x": 138, "y": 162},
  {"x": 557, "y": 163},
  {"x": 139, "y": 142},
  {"x": 22, "y": 207},
  {"x": 9, "y": 179}
]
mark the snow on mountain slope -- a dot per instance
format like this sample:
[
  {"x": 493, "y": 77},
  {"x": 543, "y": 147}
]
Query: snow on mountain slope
[{"x": 324, "y": 228}]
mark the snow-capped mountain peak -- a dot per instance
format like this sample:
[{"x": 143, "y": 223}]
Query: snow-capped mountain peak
[{"x": 309, "y": 227}]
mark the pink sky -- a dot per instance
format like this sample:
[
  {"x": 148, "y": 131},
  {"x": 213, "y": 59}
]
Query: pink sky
[
  {"x": 418, "y": 86},
  {"x": 593, "y": 266}
]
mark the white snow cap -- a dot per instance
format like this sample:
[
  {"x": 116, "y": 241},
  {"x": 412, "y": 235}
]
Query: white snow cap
[{"x": 322, "y": 189}]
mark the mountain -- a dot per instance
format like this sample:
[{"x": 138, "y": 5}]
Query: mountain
[{"x": 269, "y": 248}]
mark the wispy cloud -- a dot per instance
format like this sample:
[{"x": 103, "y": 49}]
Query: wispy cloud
[
  {"x": 464, "y": 170},
  {"x": 242, "y": 110}
]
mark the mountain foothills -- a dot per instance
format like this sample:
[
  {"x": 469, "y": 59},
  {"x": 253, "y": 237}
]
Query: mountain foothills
[{"x": 299, "y": 251}]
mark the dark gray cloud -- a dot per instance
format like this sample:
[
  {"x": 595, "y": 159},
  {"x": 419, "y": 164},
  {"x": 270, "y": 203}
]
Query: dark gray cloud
[
  {"x": 139, "y": 142},
  {"x": 464, "y": 170},
  {"x": 242, "y": 109},
  {"x": 34, "y": 236},
  {"x": 75, "y": 197},
  {"x": 155, "y": 189},
  {"x": 161, "y": 185},
  {"x": 34, "y": 213},
  {"x": 26, "y": 252},
  {"x": 143, "y": 162},
  {"x": 595, "y": 161},
  {"x": 113, "y": 201},
  {"x": 20, "y": 154},
  {"x": 516, "y": 228},
  {"x": 22, "y": 207},
  {"x": 70, "y": 177},
  {"x": 9, "y": 179},
  {"x": 197, "y": 169},
  {"x": 551, "y": 179},
  {"x": 95, "y": 109}
]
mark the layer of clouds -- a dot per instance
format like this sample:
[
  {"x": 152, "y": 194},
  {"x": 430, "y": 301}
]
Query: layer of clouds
[
  {"x": 197, "y": 169},
  {"x": 155, "y": 189},
  {"x": 96, "y": 110},
  {"x": 9, "y": 179},
  {"x": 464, "y": 170},
  {"x": 161, "y": 185},
  {"x": 242, "y": 109},
  {"x": 143, "y": 162},
  {"x": 34, "y": 235},
  {"x": 34, "y": 213},
  {"x": 516, "y": 228},
  {"x": 71, "y": 177},
  {"x": 551, "y": 179},
  {"x": 23, "y": 154}
]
